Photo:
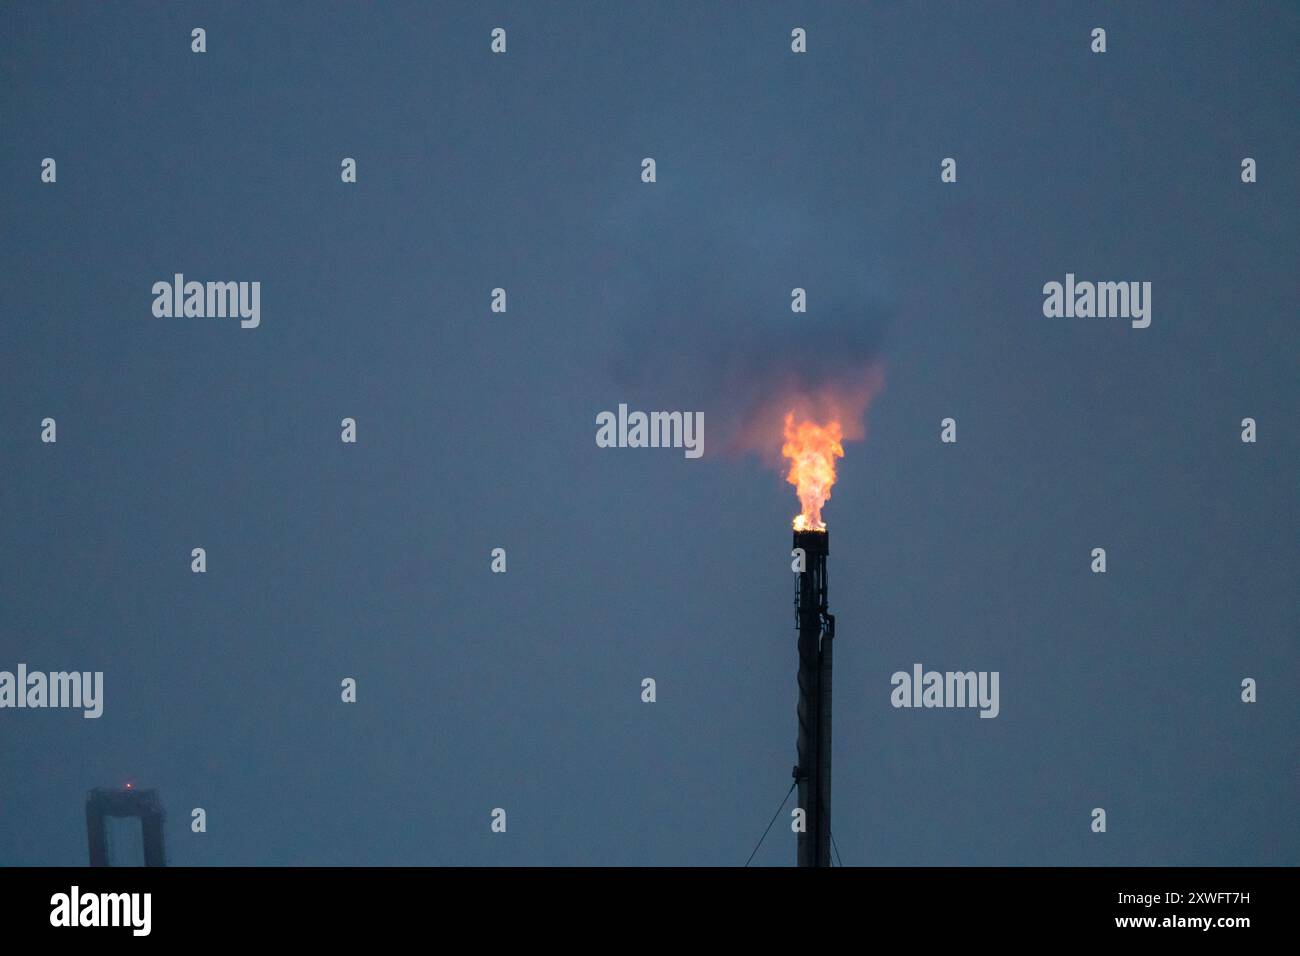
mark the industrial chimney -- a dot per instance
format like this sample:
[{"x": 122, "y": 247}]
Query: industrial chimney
[{"x": 816, "y": 637}]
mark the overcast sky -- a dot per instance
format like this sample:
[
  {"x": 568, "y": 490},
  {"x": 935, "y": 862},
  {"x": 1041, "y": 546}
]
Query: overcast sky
[{"x": 476, "y": 431}]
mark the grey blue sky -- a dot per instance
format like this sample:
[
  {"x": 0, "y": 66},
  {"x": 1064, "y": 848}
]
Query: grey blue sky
[{"x": 476, "y": 430}]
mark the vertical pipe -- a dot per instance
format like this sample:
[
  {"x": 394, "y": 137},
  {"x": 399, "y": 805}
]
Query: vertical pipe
[
  {"x": 813, "y": 770},
  {"x": 824, "y": 742}
]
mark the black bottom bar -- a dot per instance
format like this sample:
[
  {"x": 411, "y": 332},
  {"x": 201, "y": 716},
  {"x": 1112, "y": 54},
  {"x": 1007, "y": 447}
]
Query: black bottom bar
[{"x": 924, "y": 905}]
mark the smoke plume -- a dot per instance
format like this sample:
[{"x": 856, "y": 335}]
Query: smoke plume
[{"x": 706, "y": 302}]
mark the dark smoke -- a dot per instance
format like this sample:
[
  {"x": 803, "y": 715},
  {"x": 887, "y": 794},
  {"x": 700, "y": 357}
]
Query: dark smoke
[{"x": 708, "y": 319}]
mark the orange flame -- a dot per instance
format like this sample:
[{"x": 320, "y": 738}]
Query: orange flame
[
  {"x": 812, "y": 450},
  {"x": 810, "y": 424}
]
